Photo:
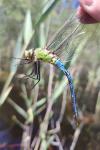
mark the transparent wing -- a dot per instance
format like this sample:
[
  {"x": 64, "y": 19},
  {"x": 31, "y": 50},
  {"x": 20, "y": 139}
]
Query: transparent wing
[
  {"x": 66, "y": 40},
  {"x": 64, "y": 32},
  {"x": 27, "y": 72},
  {"x": 10, "y": 64},
  {"x": 68, "y": 47}
]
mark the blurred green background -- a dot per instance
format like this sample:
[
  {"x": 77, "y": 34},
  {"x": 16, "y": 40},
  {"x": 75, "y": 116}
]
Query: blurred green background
[{"x": 42, "y": 118}]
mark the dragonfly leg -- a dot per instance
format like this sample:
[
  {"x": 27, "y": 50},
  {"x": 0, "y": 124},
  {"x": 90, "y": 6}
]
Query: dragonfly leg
[
  {"x": 35, "y": 73},
  {"x": 30, "y": 74}
]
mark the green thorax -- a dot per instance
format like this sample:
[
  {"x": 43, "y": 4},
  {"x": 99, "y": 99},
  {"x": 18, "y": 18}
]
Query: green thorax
[{"x": 44, "y": 55}]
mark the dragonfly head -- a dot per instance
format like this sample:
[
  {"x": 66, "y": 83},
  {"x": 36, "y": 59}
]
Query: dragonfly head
[{"x": 29, "y": 54}]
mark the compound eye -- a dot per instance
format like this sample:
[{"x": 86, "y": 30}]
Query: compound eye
[
  {"x": 26, "y": 55},
  {"x": 29, "y": 54}
]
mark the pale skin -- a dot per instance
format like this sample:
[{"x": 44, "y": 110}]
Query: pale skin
[{"x": 89, "y": 11}]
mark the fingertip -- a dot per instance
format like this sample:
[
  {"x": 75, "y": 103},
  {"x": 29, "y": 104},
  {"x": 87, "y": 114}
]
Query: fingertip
[
  {"x": 84, "y": 17},
  {"x": 80, "y": 12}
]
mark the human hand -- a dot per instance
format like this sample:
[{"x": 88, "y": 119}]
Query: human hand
[{"x": 89, "y": 11}]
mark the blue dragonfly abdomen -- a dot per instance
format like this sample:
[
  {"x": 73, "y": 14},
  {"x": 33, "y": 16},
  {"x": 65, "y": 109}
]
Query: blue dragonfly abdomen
[{"x": 61, "y": 66}]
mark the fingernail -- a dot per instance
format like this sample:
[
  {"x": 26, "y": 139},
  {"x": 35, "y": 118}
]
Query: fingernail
[{"x": 87, "y": 2}]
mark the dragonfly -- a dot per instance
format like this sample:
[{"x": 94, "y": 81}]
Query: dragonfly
[
  {"x": 61, "y": 47},
  {"x": 51, "y": 54}
]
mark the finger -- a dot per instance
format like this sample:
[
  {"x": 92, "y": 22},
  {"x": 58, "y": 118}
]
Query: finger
[
  {"x": 84, "y": 17},
  {"x": 92, "y": 8}
]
